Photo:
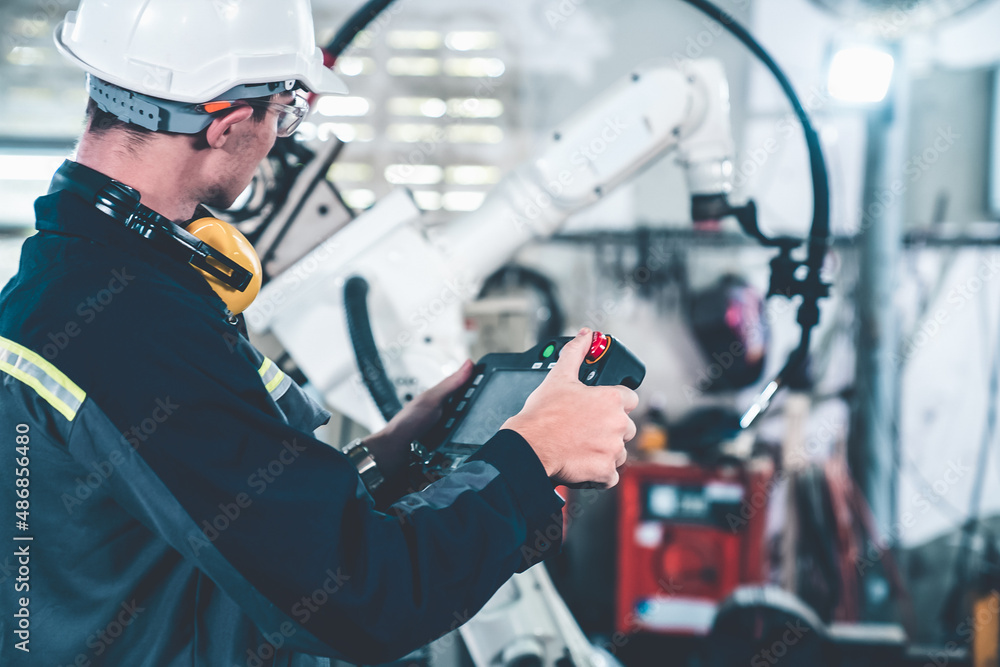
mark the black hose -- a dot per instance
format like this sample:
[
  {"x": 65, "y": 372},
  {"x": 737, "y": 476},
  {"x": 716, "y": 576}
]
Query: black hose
[
  {"x": 522, "y": 276},
  {"x": 358, "y": 21},
  {"x": 812, "y": 287},
  {"x": 359, "y": 326}
]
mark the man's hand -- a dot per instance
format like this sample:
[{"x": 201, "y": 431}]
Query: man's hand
[
  {"x": 578, "y": 432},
  {"x": 391, "y": 446}
]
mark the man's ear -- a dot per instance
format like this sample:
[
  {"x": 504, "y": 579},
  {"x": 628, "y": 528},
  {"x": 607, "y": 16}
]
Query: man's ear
[{"x": 221, "y": 128}]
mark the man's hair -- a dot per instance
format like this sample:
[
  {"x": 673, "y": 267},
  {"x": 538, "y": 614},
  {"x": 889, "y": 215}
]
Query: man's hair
[{"x": 100, "y": 122}]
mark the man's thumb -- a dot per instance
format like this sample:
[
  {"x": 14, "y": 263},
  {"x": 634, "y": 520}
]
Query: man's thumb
[
  {"x": 572, "y": 355},
  {"x": 455, "y": 380}
]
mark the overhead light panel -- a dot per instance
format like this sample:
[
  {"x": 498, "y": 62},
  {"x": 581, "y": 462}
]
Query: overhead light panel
[
  {"x": 474, "y": 67},
  {"x": 413, "y": 174},
  {"x": 354, "y": 65},
  {"x": 860, "y": 74},
  {"x": 427, "y": 200},
  {"x": 26, "y": 56},
  {"x": 346, "y": 132},
  {"x": 462, "y": 201},
  {"x": 352, "y": 172},
  {"x": 27, "y": 167},
  {"x": 467, "y": 174},
  {"x": 413, "y": 66},
  {"x": 474, "y": 107},
  {"x": 424, "y": 40},
  {"x": 430, "y": 107},
  {"x": 358, "y": 199},
  {"x": 474, "y": 134},
  {"x": 472, "y": 40},
  {"x": 414, "y": 132},
  {"x": 333, "y": 105}
]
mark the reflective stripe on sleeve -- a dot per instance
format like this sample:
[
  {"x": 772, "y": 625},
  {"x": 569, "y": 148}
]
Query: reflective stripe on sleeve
[
  {"x": 48, "y": 381},
  {"x": 275, "y": 381}
]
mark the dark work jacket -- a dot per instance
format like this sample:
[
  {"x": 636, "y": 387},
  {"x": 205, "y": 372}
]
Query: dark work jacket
[{"x": 175, "y": 508}]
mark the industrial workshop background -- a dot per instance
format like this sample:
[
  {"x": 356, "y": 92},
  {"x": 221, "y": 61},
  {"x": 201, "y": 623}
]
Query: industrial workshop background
[{"x": 861, "y": 509}]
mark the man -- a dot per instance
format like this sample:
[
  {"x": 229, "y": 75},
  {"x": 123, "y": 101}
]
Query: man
[{"x": 165, "y": 499}]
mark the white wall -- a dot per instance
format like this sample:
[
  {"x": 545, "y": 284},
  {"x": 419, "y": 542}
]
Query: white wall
[{"x": 945, "y": 363}]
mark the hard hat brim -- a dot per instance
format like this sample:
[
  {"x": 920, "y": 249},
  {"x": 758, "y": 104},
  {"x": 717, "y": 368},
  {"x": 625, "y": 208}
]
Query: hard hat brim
[
  {"x": 328, "y": 84},
  {"x": 320, "y": 80}
]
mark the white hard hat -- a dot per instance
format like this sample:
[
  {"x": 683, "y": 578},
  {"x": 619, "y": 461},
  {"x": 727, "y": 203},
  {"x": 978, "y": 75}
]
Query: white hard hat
[{"x": 196, "y": 50}]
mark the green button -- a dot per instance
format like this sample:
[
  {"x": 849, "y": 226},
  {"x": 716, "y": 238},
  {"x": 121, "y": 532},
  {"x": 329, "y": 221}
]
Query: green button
[{"x": 548, "y": 351}]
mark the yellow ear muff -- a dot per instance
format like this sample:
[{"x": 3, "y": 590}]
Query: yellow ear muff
[{"x": 229, "y": 241}]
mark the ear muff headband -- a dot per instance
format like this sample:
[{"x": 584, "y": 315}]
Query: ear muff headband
[{"x": 213, "y": 246}]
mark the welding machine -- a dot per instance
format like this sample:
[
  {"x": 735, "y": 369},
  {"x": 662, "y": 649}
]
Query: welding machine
[{"x": 687, "y": 537}]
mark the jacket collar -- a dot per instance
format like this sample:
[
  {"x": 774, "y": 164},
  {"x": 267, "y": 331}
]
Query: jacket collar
[{"x": 68, "y": 214}]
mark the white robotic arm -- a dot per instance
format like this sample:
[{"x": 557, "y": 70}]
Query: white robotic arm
[
  {"x": 420, "y": 278},
  {"x": 653, "y": 110}
]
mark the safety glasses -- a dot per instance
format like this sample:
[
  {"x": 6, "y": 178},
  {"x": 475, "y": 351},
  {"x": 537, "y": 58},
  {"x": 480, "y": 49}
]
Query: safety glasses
[{"x": 289, "y": 115}]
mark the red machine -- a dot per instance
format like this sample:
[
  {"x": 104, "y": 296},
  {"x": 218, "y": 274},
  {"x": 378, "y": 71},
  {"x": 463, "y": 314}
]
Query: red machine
[{"x": 687, "y": 536}]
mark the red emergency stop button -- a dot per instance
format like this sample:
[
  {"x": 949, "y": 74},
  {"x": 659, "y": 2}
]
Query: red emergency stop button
[{"x": 598, "y": 347}]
